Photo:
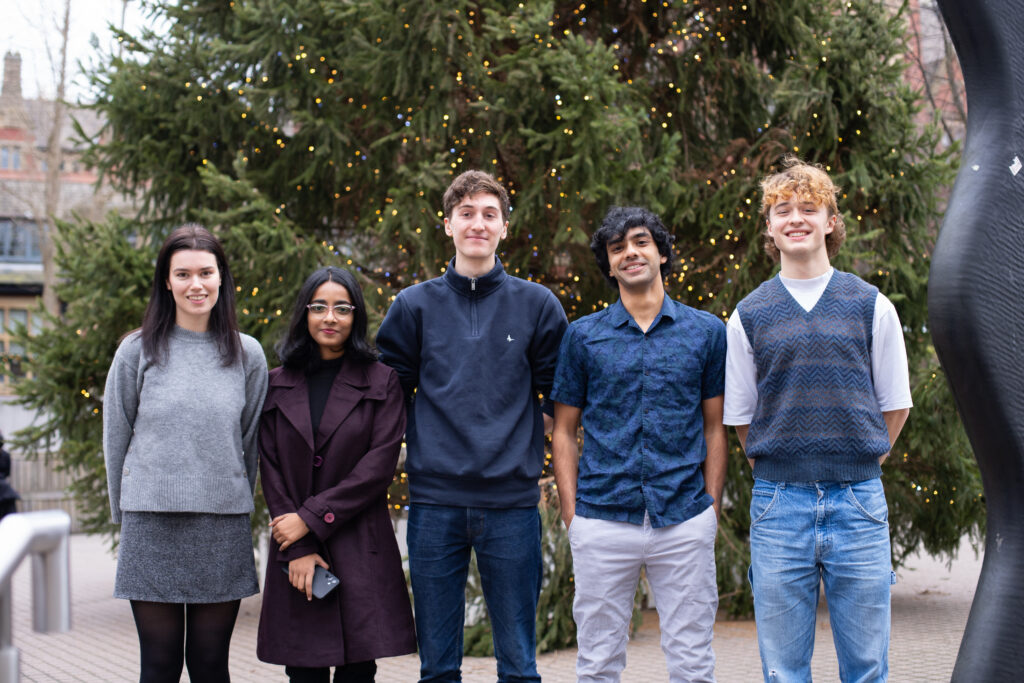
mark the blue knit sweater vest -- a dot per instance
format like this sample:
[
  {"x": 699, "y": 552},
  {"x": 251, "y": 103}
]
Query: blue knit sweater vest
[{"x": 817, "y": 418}]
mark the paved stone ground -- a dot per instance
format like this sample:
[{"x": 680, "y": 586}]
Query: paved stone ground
[{"x": 930, "y": 605}]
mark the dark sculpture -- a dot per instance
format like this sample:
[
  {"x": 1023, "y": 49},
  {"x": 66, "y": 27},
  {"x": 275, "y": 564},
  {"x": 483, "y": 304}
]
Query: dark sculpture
[{"x": 976, "y": 312}]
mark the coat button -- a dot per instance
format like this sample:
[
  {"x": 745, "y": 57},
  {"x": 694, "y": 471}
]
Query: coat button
[
  {"x": 317, "y": 461},
  {"x": 329, "y": 517}
]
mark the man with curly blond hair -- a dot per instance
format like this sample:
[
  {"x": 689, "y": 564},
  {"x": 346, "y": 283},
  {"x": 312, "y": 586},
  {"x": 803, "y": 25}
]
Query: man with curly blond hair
[{"x": 818, "y": 390}]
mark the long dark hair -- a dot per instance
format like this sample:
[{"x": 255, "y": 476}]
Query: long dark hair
[
  {"x": 297, "y": 350},
  {"x": 161, "y": 311}
]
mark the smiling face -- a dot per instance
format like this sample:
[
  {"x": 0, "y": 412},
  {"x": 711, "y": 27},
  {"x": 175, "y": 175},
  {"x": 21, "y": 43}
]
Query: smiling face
[
  {"x": 330, "y": 329},
  {"x": 634, "y": 260},
  {"x": 798, "y": 227},
  {"x": 194, "y": 282},
  {"x": 476, "y": 226}
]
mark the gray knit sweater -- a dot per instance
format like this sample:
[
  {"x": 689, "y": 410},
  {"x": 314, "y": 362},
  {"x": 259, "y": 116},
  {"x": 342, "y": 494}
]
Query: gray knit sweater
[{"x": 180, "y": 436}]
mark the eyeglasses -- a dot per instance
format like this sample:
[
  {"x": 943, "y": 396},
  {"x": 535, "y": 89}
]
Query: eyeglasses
[{"x": 340, "y": 310}]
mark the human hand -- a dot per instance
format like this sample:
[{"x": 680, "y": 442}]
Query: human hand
[
  {"x": 301, "y": 570},
  {"x": 287, "y": 529}
]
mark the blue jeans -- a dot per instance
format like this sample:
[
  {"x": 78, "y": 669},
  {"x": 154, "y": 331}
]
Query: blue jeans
[
  {"x": 507, "y": 545},
  {"x": 802, "y": 534}
]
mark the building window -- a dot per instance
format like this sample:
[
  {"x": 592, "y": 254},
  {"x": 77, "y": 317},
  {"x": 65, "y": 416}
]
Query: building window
[
  {"x": 19, "y": 240},
  {"x": 10, "y": 158},
  {"x": 14, "y": 312}
]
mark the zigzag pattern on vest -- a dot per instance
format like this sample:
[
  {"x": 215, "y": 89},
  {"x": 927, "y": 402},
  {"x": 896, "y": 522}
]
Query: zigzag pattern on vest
[{"x": 817, "y": 418}]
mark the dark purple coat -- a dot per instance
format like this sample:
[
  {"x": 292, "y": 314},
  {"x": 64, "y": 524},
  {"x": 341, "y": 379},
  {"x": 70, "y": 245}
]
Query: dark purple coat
[{"x": 339, "y": 488}]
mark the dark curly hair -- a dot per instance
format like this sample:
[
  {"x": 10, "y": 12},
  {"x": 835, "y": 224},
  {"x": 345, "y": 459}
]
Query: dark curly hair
[{"x": 617, "y": 222}]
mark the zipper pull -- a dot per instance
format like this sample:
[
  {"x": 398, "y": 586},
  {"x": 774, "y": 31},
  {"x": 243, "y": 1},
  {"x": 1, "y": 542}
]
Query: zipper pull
[{"x": 472, "y": 284}]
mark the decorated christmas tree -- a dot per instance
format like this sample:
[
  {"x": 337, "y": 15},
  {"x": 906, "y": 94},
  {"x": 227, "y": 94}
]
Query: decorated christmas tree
[{"x": 307, "y": 132}]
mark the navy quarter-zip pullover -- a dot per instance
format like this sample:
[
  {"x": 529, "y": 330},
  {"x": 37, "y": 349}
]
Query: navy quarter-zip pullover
[{"x": 473, "y": 354}]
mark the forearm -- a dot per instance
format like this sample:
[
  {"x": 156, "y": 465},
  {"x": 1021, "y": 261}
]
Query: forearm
[
  {"x": 894, "y": 421},
  {"x": 741, "y": 434},
  {"x": 396, "y": 344},
  {"x": 565, "y": 458},
  {"x": 565, "y": 461},
  {"x": 255, "y": 392},
  {"x": 120, "y": 408},
  {"x": 716, "y": 463}
]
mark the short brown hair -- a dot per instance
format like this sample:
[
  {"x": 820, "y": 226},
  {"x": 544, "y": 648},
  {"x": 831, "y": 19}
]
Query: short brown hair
[
  {"x": 804, "y": 181},
  {"x": 470, "y": 183}
]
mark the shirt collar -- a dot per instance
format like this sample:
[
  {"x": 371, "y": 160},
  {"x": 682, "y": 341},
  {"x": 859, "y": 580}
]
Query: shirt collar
[
  {"x": 619, "y": 316},
  {"x": 484, "y": 284}
]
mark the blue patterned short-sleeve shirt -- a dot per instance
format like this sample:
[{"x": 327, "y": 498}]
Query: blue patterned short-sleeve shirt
[{"x": 640, "y": 396}]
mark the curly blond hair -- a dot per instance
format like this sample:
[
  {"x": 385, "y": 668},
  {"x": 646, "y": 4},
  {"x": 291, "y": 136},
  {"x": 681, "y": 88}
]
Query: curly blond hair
[{"x": 807, "y": 182}]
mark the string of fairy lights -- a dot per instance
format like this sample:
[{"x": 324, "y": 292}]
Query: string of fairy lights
[{"x": 465, "y": 137}]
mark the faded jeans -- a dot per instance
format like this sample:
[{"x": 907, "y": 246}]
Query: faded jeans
[{"x": 806, "y": 533}]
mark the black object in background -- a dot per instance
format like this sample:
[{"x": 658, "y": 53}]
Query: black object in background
[{"x": 976, "y": 315}]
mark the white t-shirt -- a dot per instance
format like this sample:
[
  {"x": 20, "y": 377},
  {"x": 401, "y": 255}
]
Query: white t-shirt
[{"x": 888, "y": 355}]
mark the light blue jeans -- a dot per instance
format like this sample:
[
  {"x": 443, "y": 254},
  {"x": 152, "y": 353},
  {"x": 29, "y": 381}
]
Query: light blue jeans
[{"x": 802, "y": 534}]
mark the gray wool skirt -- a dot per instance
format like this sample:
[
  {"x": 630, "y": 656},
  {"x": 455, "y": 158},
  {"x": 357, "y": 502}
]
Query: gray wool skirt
[{"x": 185, "y": 557}]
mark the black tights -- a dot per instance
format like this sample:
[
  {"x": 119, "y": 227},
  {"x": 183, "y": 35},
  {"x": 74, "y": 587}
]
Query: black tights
[
  {"x": 355, "y": 672},
  {"x": 197, "y": 635}
]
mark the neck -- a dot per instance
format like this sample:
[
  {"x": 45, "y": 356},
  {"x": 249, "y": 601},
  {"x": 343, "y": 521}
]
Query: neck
[
  {"x": 643, "y": 305},
  {"x": 467, "y": 267},
  {"x": 193, "y": 323},
  {"x": 805, "y": 269},
  {"x": 327, "y": 353}
]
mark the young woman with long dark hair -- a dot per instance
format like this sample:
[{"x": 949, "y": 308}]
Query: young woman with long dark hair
[
  {"x": 330, "y": 435},
  {"x": 180, "y": 419}
]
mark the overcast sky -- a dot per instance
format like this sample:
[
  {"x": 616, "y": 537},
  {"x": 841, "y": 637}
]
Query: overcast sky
[{"x": 27, "y": 27}]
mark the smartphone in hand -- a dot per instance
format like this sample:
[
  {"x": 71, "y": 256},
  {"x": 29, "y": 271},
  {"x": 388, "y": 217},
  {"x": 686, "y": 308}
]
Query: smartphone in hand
[{"x": 323, "y": 581}]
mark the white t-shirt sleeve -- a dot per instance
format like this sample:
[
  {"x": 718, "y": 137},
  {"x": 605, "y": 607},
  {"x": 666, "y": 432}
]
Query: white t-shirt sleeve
[
  {"x": 740, "y": 375},
  {"x": 888, "y": 366},
  {"x": 889, "y": 358}
]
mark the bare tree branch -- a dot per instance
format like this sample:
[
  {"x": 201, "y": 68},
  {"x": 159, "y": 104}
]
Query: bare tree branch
[{"x": 54, "y": 161}]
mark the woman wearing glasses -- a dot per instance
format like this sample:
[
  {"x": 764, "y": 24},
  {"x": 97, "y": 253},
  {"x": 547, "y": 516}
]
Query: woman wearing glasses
[
  {"x": 330, "y": 433},
  {"x": 181, "y": 410}
]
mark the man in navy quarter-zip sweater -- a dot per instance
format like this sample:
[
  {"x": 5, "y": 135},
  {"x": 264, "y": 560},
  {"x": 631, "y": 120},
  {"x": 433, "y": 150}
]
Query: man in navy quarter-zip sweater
[
  {"x": 817, "y": 386},
  {"x": 474, "y": 349}
]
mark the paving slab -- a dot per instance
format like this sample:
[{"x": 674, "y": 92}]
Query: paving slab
[{"x": 930, "y": 605}]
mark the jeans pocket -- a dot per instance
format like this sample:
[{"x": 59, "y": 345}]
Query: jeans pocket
[
  {"x": 762, "y": 500},
  {"x": 868, "y": 498}
]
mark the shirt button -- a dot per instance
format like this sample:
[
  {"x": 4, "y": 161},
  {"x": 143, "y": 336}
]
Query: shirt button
[
  {"x": 317, "y": 461},
  {"x": 329, "y": 517}
]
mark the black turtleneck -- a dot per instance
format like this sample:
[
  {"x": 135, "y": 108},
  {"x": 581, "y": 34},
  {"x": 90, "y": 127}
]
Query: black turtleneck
[{"x": 320, "y": 381}]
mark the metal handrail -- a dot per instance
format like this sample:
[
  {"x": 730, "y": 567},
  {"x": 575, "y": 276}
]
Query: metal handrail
[{"x": 44, "y": 536}]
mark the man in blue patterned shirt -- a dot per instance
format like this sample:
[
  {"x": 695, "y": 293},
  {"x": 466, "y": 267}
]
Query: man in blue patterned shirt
[{"x": 646, "y": 377}]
